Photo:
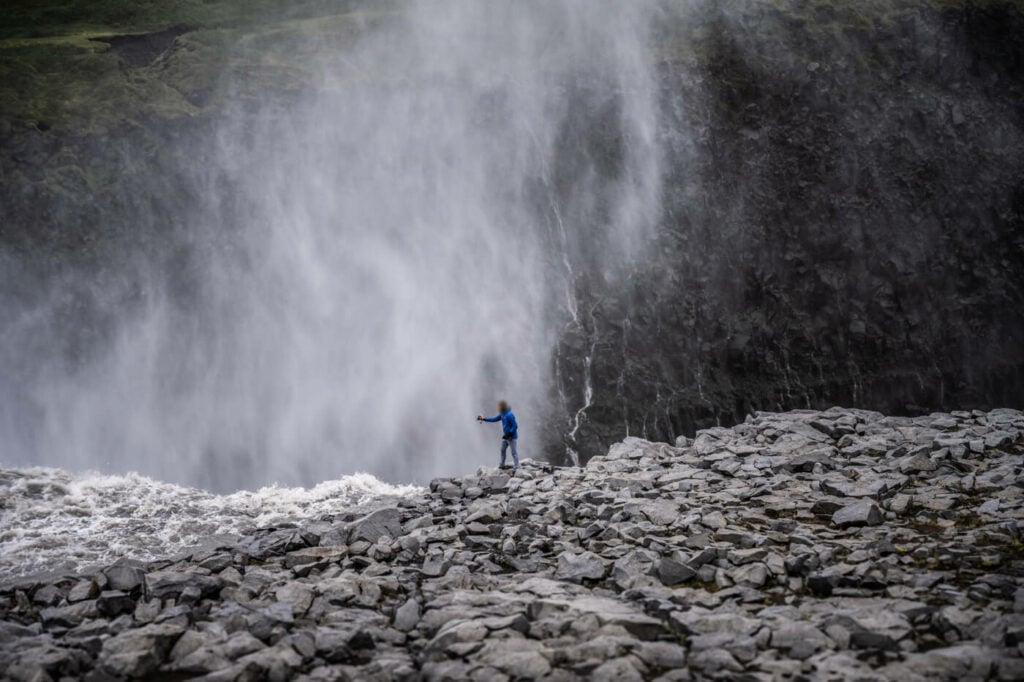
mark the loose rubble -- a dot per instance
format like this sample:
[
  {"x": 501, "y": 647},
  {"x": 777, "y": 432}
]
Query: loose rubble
[{"x": 816, "y": 545}]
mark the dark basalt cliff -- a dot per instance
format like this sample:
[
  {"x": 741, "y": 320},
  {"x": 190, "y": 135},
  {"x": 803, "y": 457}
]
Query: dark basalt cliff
[{"x": 845, "y": 226}]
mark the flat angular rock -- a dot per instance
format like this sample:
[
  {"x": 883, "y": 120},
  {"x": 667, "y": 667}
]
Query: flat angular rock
[
  {"x": 629, "y": 568},
  {"x": 48, "y": 595},
  {"x": 863, "y": 513},
  {"x": 579, "y": 567},
  {"x": 170, "y": 584},
  {"x": 70, "y": 615},
  {"x": 407, "y": 616},
  {"x": 863, "y": 639},
  {"x": 140, "y": 651},
  {"x": 746, "y": 556},
  {"x": 918, "y": 464},
  {"x": 113, "y": 602},
  {"x": 124, "y": 576},
  {"x": 755, "y": 575},
  {"x": 876, "y": 488},
  {"x": 314, "y": 555},
  {"x": 672, "y": 572},
  {"x": 374, "y": 526},
  {"x": 82, "y": 590}
]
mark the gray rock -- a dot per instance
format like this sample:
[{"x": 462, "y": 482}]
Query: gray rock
[
  {"x": 917, "y": 464},
  {"x": 580, "y": 567},
  {"x": 374, "y": 526},
  {"x": 114, "y": 602},
  {"x": 519, "y": 659},
  {"x": 170, "y": 584},
  {"x": 755, "y": 575},
  {"x": 314, "y": 556},
  {"x": 457, "y": 632},
  {"x": 82, "y": 590},
  {"x": 297, "y": 595},
  {"x": 863, "y": 639},
  {"x": 71, "y": 615},
  {"x": 863, "y": 513},
  {"x": 617, "y": 670},
  {"x": 746, "y": 556},
  {"x": 124, "y": 576},
  {"x": 407, "y": 616},
  {"x": 435, "y": 566},
  {"x": 48, "y": 595},
  {"x": 139, "y": 652},
  {"x": 662, "y": 655},
  {"x": 672, "y": 572},
  {"x": 217, "y": 562},
  {"x": 715, "y": 662},
  {"x": 629, "y": 568},
  {"x": 989, "y": 507},
  {"x": 876, "y": 488},
  {"x": 788, "y": 634}
]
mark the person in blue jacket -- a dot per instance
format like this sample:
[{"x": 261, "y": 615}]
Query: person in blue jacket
[{"x": 509, "y": 432}]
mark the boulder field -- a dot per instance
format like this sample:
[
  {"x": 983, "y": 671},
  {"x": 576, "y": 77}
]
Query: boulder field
[{"x": 840, "y": 544}]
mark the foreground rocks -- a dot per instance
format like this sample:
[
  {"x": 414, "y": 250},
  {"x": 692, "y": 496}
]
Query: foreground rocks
[{"x": 812, "y": 545}]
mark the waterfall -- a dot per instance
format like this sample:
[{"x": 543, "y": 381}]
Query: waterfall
[{"x": 369, "y": 264}]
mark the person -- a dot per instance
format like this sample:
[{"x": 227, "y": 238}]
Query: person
[{"x": 509, "y": 432}]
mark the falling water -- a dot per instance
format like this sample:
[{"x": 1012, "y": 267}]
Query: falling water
[{"x": 370, "y": 264}]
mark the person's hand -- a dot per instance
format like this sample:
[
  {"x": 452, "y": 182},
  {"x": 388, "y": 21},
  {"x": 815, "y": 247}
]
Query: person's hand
[{"x": 479, "y": 417}]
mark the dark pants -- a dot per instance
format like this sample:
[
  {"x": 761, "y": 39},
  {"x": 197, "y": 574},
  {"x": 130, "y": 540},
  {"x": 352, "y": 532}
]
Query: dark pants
[{"x": 515, "y": 453}]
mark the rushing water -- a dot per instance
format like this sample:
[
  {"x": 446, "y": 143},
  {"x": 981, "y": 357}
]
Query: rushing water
[{"x": 53, "y": 520}]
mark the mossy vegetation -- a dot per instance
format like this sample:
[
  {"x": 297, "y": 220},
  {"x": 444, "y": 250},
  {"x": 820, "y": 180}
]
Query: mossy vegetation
[{"x": 94, "y": 67}]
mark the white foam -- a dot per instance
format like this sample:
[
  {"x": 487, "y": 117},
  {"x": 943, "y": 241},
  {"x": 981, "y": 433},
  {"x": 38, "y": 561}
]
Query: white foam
[{"x": 51, "y": 519}]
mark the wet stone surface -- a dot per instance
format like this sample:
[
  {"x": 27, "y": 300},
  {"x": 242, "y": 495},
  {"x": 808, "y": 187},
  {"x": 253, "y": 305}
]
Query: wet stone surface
[{"x": 806, "y": 545}]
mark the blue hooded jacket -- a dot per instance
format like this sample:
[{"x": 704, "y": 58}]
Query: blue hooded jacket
[{"x": 508, "y": 423}]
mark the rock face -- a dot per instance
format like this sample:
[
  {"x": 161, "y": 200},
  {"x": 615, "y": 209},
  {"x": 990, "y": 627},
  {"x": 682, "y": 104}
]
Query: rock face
[
  {"x": 815, "y": 267},
  {"x": 798, "y": 544}
]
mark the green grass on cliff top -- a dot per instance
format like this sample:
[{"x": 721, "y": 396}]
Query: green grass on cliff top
[
  {"x": 58, "y": 71},
  {"x": 43, "y": 18}
]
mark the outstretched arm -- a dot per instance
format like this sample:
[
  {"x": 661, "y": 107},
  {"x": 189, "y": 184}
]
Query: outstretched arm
[{"x": 488, "y": 419}]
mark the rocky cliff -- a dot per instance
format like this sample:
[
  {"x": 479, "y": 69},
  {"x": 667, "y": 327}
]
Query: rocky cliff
[
  {"x": 836, "y": 545},
  {"x": 845, "y": 225}
]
